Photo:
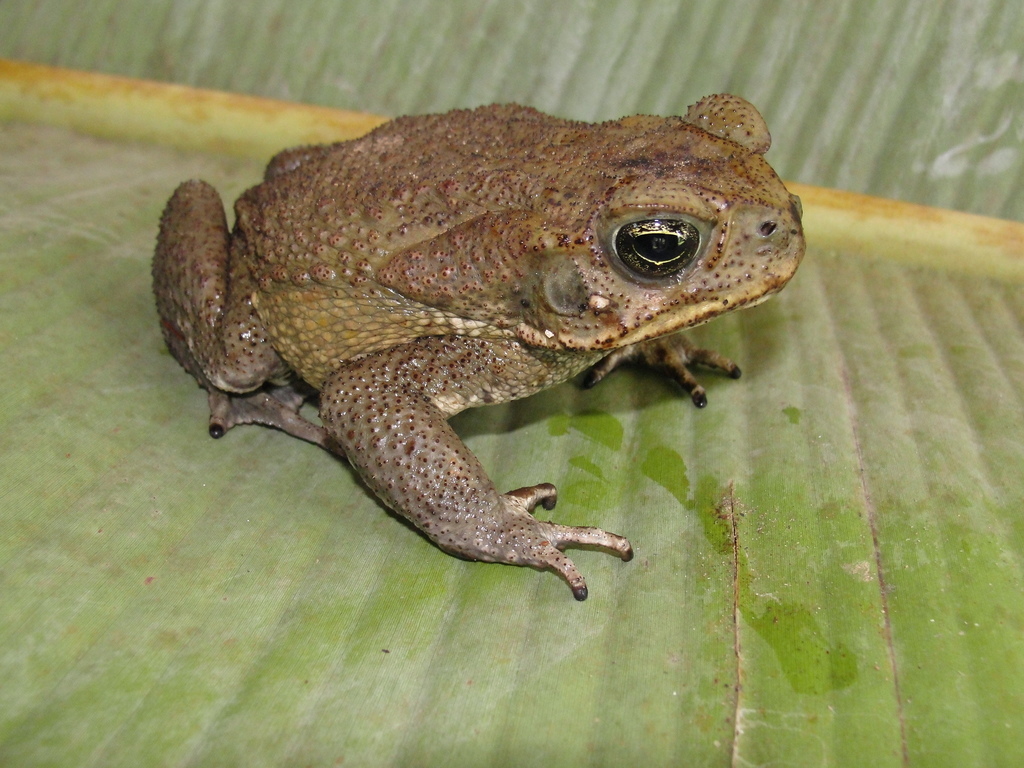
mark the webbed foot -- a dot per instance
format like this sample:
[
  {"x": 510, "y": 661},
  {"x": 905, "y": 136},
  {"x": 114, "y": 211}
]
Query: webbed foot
[
  {"x": 271, "y": 406},
  {"x": 521, "y": 539},
  {"x": 669, "y": 355}
]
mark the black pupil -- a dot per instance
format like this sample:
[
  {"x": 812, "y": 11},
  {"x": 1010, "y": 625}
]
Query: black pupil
[{"x": 657, "y": 247}]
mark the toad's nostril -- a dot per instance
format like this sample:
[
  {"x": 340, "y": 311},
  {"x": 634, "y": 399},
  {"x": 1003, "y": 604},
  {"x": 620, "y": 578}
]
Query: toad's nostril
[{"x": 767, "y": 228}]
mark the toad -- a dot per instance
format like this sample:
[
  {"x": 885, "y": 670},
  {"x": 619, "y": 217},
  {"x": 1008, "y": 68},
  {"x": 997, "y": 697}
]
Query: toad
[{"x": 443, "y": 262}]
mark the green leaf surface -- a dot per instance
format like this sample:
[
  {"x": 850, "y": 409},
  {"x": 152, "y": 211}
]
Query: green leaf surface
[{"x": 830, "y": 556}]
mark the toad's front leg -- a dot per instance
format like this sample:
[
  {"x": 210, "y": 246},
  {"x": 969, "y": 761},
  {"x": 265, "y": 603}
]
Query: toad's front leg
[
  {"x": 670, "y": 355},
  {"x": 388, "y": 413}
]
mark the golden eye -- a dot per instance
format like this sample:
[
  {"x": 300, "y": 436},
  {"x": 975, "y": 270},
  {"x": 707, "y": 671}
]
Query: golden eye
[{"x": 657, "y": 247}]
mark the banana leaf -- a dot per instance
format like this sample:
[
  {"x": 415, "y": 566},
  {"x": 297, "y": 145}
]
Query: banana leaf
[{"x": 829, "y": 556}]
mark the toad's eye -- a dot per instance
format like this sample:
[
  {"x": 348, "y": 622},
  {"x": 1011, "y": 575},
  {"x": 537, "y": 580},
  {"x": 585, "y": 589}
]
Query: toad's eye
[{"x": 657, "y": 247}]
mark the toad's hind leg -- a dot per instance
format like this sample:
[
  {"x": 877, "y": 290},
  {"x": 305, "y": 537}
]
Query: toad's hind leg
[
  {"x": 203, "y": 297},
  {"x": 391, "y": 422}
]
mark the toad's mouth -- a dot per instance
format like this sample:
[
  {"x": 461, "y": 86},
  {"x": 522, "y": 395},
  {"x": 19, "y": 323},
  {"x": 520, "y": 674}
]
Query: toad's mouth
[{"x": 671, "y": 318}]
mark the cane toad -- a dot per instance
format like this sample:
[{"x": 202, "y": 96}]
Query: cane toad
[{"x": 448, "y": 261}]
